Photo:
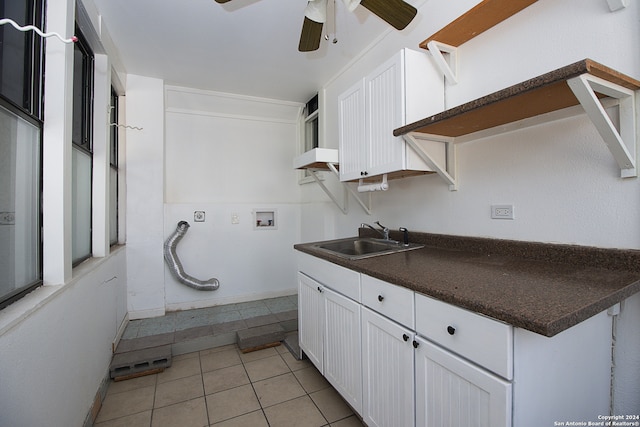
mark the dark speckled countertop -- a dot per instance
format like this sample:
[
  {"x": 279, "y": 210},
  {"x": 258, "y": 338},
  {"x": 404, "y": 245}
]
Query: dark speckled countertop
[{"x": 545, "y": 288}]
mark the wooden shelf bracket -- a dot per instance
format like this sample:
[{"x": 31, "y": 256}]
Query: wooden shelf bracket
[
  {"x": 448, "y": 66},
  {"x": 344, "y": 206},
  {"x": 620, "y": 141},
  {"x": 446, "y": 172}
]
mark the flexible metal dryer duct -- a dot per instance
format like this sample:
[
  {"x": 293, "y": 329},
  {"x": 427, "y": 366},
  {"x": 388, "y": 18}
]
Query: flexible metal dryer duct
[{"x": 171, "y": 257}]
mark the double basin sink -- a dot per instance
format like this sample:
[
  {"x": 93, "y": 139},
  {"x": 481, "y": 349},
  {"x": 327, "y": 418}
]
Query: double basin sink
[{"x": 353, "y": 248}]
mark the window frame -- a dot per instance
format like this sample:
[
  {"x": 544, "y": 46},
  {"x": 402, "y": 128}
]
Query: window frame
[
  {"x": 86, "y": 131},
  {"x": 113, "y": 159},
  {"x": 31, "y": 111}
]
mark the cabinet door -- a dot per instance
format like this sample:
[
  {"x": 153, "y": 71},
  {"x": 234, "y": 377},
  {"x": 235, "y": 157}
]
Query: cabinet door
[
  {"x": 388, "y": 388},
  {"x": 311, "y": 319},
  {"x": 351, "y": 127},
  {"x": 453, "y": 392},
  {"x": 385, "y": 112},
  {"x": 342, "y": 350}
]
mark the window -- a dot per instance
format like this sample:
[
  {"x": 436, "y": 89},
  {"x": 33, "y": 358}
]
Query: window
[
  {"x": 113, "y": 171},
  {"x": 310, "y": 135},
  {"x": 20, "y": 150},
  {"x": 82, "y": 156},
  {"x": 311, "y": 125}
]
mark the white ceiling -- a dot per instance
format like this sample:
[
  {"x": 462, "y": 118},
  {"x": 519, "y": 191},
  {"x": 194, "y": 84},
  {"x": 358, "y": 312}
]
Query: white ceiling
[{"x": 247, "y": 47}]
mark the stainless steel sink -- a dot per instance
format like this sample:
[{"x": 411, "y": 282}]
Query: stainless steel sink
[{"x": 358, "y": 248}]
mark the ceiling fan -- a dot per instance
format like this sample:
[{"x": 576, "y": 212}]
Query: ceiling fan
[{"x": 397, "y": 13}]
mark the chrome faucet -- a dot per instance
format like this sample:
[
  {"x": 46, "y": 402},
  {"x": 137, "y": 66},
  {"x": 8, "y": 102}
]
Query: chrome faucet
[{"x": 384, "y": 231}]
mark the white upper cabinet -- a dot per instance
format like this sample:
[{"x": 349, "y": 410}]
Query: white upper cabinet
[{"x": 401, "y": 90}]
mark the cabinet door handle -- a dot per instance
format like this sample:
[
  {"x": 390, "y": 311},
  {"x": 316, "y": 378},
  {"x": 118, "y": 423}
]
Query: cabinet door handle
[
  {"x": 380, "y": 298},
  {"x": 319, "y": 289},
  {"x": 364, "y": 173},
  {"x": 415, "y": 344},
  {"x": 405, "y": 337},
  {"x": 451, "y": 330}
]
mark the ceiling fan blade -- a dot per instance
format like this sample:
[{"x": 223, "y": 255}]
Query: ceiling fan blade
[
  {"x": 396, "y": 12},
  {"x": 310, "y": 35}
]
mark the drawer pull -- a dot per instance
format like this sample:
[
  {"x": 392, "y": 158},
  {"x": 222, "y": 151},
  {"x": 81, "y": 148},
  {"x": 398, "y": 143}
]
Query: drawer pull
[
  {"x": 415, "y": 344},
  {"x": 451, "y": 330},
  {"x": 405, "y": 337},
  {"x": 380, "y": 298}
]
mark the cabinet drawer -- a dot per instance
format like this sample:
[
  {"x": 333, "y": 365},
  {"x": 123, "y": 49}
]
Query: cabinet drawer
[
  {"x": 340, "y": 279},
  {"x": 480, "y": 339},
  {"x": 394, "y": 302}
]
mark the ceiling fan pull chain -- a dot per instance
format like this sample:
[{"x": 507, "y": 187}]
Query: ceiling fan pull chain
[{"x": 335, "y": 24}]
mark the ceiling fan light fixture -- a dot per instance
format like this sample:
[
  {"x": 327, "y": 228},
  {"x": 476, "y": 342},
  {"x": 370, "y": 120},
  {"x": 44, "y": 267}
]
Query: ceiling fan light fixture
[{"x": 316, "y": 10}]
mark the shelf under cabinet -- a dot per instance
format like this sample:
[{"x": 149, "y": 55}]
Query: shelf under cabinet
[{"x": 543, "y": 94}]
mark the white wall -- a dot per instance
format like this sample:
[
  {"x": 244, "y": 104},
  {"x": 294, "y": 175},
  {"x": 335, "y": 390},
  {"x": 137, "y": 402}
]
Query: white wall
[
  {"x": 56, "y": 354},
  {"x": 560, "y": 176},
  {"x": 145, "y": 195},
  {"x": 225, "y": 155}
]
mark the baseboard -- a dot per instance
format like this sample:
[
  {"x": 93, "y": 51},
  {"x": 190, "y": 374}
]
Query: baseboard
[
  {"x": 90, "y": 419},
  {"x": 119, "y": 333}
]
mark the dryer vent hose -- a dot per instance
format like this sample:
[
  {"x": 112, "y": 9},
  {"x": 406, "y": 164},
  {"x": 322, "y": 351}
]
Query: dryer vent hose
[{"x": 172, "y": 260}]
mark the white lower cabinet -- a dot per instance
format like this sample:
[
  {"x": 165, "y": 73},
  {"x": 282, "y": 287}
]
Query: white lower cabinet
[
  {"x": 329, "y": 334},
  {"x": 387, "y": 366},
  {"x": 450, "y": 391},
  {"x": 401, "y": 359},
  {"x": 311, "y": 319},
  {"x": 342, "y": 350}
]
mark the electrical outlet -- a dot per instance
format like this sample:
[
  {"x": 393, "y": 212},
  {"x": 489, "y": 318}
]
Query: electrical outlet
[
  {"x": 198, "y": 216},
  {"x": 235, "y": 218},
  {"x": 502, "y": 212}
]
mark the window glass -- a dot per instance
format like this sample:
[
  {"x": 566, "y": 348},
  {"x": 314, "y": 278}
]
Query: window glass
[
  {"x": 20, "y": 55},
  {"x": 82, "y": 157},
  {"x": 113, "y": 171},
  {"x": 81, "y": 202},
  {"x": 19, "y": 204}
]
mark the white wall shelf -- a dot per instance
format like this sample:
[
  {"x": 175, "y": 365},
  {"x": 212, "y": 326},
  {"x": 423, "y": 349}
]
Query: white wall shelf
[
  {"x": 476, "y": 20},
  {"x": 326, "y": 159},
  {"x": 585, "y": 83}
]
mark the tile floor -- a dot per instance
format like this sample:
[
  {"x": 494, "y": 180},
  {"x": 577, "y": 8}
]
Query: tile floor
[
  {"x": 221, "y": 386},
  {"x": 224, "y": 387}
]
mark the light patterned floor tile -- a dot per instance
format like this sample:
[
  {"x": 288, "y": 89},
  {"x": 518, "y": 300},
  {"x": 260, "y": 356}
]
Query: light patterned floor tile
[
  {"x": 132, "y": 384},
  {"x": 295, "y": 413},
  {"x": 266, "y": 368},
  {"x": 141, "y": 419},
  {"x": 331, "y": 404},
  {"x": 131, "y": 402},
  {"x": 178, "y": 390},
  {"x": 224, "y": 379},
  {"x": 352, "y": 421},
  {"x": 231, "y": 403},
  {"x": 311, "y": 379},
  {"x": 180, "y": 368},
  {"x": 219, "y": 360},
  {"x": 278, "y": 389},
  {"x": 192, "y": 413},
  {"x": 252, "y": 419}
]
